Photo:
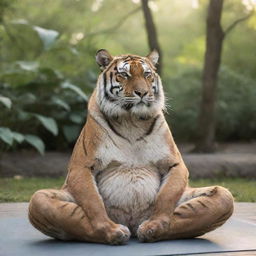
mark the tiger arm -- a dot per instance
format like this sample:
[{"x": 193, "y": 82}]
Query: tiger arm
[
  {"x": 81, "y": 182},
  {"x": 174, "y": 183}
]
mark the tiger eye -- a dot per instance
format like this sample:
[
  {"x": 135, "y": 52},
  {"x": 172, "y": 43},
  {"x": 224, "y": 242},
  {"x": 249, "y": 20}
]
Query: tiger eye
[{"x": 120, "y": 77}]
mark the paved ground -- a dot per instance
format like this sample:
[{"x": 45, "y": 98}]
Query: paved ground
[{"x": 236, "y": 238}]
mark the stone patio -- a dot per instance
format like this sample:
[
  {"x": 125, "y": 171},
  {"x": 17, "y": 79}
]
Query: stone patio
[{"x": 236, "y": 237}]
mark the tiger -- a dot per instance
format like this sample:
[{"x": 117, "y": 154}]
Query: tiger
[{"x": 126, "y": 177}]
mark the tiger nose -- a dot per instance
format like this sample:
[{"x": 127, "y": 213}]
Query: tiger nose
[{"x": 140, "y": 93}]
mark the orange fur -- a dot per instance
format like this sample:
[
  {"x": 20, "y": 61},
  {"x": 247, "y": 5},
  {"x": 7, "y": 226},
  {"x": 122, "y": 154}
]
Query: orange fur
[{"x": 126, "y": 175}]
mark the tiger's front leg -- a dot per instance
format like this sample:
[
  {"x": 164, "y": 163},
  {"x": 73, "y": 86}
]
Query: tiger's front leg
[
  {"x": 158, "y": 225},
  {"x": 81, "y": 185}
]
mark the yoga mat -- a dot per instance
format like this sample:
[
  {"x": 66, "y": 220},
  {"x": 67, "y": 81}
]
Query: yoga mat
[{"x": 19, "y": 238}]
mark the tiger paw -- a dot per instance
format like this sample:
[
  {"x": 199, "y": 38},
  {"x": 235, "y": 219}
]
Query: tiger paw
[
  {"x": 153, "y": 230},
  {"x": 209, "y": 191},
  {"x": 116, "y": 234},
  {"x": 120, "y": 235}
]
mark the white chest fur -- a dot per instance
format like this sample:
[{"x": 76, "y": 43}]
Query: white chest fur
[{"x": 129, "y": 179}]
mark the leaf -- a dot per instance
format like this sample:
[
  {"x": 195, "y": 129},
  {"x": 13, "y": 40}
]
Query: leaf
[
  {"x": 71, "y": 132},
  {"x": 6, "y": 101},
  {"x": 17, "y": 77},
  {"x": 19, "y": 72},
  {"x": 18, "y": 137},
  {"x": 76, "y": 89},
  {"x": 49, "y": 123},
  {"x": 47, "y": 36},
  {"x": 6, "y": 135},
  {"x": 36, "y": 142},
  {"x": 23, "y": 115},
  {"x": 28, "y": 65},
  {"x": 61, "y": 103},
  {"x": 26, "y": 41},
  {"x": 27, "y": 98},
  {"x": 76, "y": 118}
]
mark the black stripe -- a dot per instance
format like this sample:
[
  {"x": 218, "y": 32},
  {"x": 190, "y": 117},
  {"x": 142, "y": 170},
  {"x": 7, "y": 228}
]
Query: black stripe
[
  {"x": 113, "y": 128},
  {"x": 160, "y": 126},
  {"x": 82, "y": 217},
  {"x": 103, "y": 129},
  {"x": 64, "y": 205},
  {"x": 223, "y": 217},
  {"x": 174, "y": 165},
  {"x": 43, "y": 193},
  {"x": 111, "y": 77},
  {"x": 73, "y": 212},
  {"x": 107, "y": 96},
  {"x": 105, "y": 84},
  {"x": 84, "y": 148},
  {"x": 36, "y": 222},
  {"x": 127, "y": 106},
  {"x": 183, "y": 207},
  {"x": 81, "y": 137},
  {"x": 150, "y": 130},
  {"x": 114, "y": 87},
  {"x": 115, "y": 131},
  {"x": 204, "y": 205},
  {"x": 127, "y": 58},
  {"x": 191, "y": 207},
  {"x": 48, "y": 222}
]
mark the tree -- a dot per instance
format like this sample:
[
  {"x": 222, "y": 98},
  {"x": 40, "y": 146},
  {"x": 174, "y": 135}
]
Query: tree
[
  {"x": 151, "y": 32},
  {"x": 214, "y": 41}
]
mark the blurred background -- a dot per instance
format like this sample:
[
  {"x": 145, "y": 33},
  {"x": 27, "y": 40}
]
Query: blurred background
[{"x": 48, "y": 71}]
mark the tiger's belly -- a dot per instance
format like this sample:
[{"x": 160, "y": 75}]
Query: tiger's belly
[{"x": 129, "y": 194}]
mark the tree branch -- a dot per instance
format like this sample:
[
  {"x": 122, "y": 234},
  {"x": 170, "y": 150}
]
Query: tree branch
[
  {"x": 233, "y": 25},
  {"x": 116, "y": 26}
]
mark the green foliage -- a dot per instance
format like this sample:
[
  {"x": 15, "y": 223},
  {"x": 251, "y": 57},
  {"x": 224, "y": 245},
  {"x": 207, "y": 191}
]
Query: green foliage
[
  {"x": 47, "y": 67},
  {"x": 39, "y": 104},
  {"x": 236, "y": 108}
]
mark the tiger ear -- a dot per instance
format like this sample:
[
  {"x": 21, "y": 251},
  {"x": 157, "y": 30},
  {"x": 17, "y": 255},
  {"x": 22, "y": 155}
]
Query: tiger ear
[
  {"x": 153, "y": 57},
  {"x": 103, "y": 58}
]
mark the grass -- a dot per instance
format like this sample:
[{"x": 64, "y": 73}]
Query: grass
[{"x": 21, "y": 189}]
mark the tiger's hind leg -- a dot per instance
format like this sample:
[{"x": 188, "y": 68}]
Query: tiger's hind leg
[
  {"x": 54, "y": 213},
  {"x": 203, "y": 210},
  {"x": 198, "y": 211}
]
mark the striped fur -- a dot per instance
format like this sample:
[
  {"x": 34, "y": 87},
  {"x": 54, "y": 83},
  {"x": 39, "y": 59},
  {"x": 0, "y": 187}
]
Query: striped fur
[
  {"x": 126, "y": 175},
  {"x": 117, "y": 83}
]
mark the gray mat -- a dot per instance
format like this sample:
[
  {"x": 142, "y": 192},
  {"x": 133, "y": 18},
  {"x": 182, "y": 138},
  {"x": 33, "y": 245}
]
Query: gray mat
[{"x": 18, "y": 238}]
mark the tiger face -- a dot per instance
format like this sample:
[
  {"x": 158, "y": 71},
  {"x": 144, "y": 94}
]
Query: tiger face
[{"x": 129, "y": 85}]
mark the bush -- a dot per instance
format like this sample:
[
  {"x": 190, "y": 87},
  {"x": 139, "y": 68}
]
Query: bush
[
  {"x": 39, "y": 104},
  {"x": 236, "y": 108}
]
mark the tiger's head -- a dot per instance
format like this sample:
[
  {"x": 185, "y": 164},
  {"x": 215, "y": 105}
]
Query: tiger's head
[{"x": 129, "y": 85}]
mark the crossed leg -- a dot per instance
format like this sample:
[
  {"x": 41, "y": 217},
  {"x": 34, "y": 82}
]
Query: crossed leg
[
  {"x": 56, "y": 214},
  {"x": 198, "y": 211}
]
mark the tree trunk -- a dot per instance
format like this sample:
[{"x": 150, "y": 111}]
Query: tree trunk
[
  {"x": 151, "y": 32},
  {"x": 212, "y": 59}
]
